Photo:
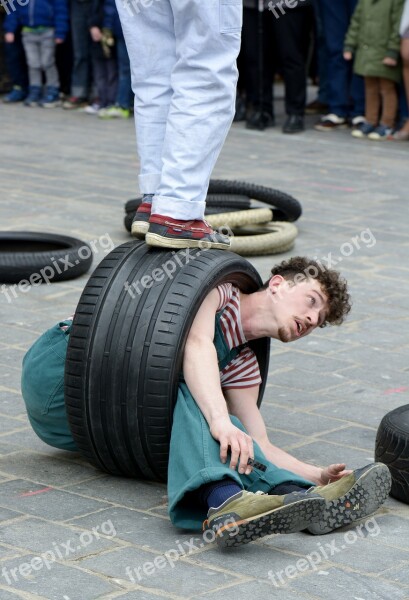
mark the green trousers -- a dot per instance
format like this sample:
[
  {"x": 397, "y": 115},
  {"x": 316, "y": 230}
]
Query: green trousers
[{"x": 194, "y": 454}]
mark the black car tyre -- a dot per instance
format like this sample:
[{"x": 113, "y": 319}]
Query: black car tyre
[
  {"x": 392, "y": 448},
  {"x": 126, "y": 346},
  {"x": 43, "y": 257}
]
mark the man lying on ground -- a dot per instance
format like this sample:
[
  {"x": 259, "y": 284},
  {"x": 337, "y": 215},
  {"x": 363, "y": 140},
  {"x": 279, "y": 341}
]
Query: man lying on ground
[{"x": 223, "y": 470}]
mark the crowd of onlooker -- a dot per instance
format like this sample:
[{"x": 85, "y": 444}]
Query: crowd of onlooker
[{"x": 72, "y": 53}]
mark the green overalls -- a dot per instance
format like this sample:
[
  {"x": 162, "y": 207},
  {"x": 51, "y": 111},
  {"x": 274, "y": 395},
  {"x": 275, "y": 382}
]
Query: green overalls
[{"x": 194, "y": 458}]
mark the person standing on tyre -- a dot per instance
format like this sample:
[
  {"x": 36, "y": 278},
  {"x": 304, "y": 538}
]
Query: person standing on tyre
[
  {"x": 217, "y": 426},
  {"x": 183, "y": 63}
]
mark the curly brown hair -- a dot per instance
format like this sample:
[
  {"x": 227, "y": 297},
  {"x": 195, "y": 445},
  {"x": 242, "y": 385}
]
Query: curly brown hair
[{"x": 332, "y": 284}]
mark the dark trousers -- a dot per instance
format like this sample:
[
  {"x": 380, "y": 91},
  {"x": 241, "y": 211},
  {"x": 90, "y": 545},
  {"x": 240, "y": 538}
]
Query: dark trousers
[
  {"x": 249, "y": 55},
  {"x": 125, "y": 95},
  {"x": 105, "y": 72},
  {"x": 16, "y": 62},
  {"x": 292, "y": 34},
  {"x": 81, "y": 42},
  {"x": 346, "y": 94}
]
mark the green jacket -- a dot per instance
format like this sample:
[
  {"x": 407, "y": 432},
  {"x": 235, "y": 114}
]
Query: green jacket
[{"x": 373, "y": 34}]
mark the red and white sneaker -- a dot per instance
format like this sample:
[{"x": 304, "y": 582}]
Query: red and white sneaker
[
  {"x": 166, "y": 232},
  {"x": 140, "y": 222}
]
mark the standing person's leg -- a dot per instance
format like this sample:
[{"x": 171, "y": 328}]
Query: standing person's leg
[
  {"x": 403, "y": 134},
  {"x": 124, "y": 97},
  {"x": 202, "y": 106},
  {"x": 48, "y": 64},
  {"x": 389, "y": 102},
  {"x": 292, "y": 33},
  {"x": 81, "y": 41},
  {"x": 356, "y": 87},
  {"x": 336, "y": 17},
  {"x": 150, "y": 39},
  {"x": 372, "y": 100},
  {"x": 32, "y": 48},
  {"x": 17, "y": 69}
]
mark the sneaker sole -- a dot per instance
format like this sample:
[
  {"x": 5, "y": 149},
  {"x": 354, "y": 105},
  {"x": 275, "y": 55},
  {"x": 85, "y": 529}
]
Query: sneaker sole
[
  {"x": 358, "y": 135},
  {"x": 323, "y": 128},
  {"x": 140, "y": 229},
  {"x": 286, "y": 519},
  {"x": 367, "y": 494},
  {"x": 153, "y": 239}
]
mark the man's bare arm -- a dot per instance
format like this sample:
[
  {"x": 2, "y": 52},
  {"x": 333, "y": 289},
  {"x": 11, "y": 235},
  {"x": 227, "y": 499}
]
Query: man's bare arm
[
  {"x": 242, "y": 403},
  {"x": 201, "y": 373}
]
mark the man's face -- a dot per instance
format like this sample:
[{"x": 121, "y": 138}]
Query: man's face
[{"x": 298, "y": 308}]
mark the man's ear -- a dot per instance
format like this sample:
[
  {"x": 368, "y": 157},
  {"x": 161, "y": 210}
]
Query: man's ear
[{"x": 275, "y": 283}]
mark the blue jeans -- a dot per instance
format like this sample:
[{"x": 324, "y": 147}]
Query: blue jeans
[
  {"x": 16, "y": 62},
  {"x": 124, "y": 95},
  {"x": 183, "y": 61},
  {"x": 81, "y": 41},
  {"x": 346, "y": 93}
]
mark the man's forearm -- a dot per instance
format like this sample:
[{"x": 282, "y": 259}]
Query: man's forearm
[{"x": 283, "y": 460}]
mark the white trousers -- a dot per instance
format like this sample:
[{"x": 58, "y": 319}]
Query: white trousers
[{"x": 184, "y": 75}]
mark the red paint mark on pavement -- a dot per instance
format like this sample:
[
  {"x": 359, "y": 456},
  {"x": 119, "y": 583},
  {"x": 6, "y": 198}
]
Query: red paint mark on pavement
[
  {"x": 37, "y": 492},
  {"x": 396, "y": 390}
]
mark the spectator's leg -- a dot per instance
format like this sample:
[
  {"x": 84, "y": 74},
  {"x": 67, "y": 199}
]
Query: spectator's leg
[
  {"x": 389, "y": 102},
  {"x": 292, "y": 33},
  {"x": 202, "y": 106},
  {"x": 404, "y": 50},
  {"x": 321, "y": 55},
  {"x": 81, "y": 40},
  {"x": 48, "y": 59},
  {"x": 249, "y": 50},
  {"x": 372, "y": 100},
  {"x": 150, "y": 39},
  {"x": 124, "y": 94},
  {"x": 111, "y": 70},
  {"x": 16, "y": 62},
  {"x": 336, "y": 17},
  {"x": 32, "y": 48}
]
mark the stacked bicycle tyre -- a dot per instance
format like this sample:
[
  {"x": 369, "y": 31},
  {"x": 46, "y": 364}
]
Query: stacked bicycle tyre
[{"x": 260, "y": 219}]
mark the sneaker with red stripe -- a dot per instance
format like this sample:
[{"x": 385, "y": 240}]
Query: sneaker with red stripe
[
  {"x": 166, "y": 232},
  {"x": 140, "y": 223}
]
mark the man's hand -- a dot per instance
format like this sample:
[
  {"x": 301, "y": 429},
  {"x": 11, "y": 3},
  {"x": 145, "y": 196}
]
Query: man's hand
[
  {"x": 9, "y": 38},
  {"x": 333, "y": 473},
  {"x": 348, "y": 55},
  {"x": 241, "y": 444},
  {"x": 389, "y": 61}
]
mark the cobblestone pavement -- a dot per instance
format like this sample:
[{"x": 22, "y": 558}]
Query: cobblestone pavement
[{"x": 70, "y": 173}]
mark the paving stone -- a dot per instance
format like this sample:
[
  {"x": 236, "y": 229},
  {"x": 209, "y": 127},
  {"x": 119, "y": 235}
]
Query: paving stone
[
  {"x": 397, "y": 574},
  {"x": 293, "y": 399},
  {"x": 42, "y": 536},
  {"x": 41, "y": 501},
  {"x": 308, "y": 380},
  {"x": 128, "y": 492},
  {"x": 6, "y": 513},
  {"x": 140, "y": 595},
  {"x": 323, "y": 453},
  {"x": 354, "y": 437},
  {"x": 9, "y": 595},
  {"x": 350, "y": 411},
  {"x": 182, "y": 579},
  {"x": 57, "y": 582},
  {"x": 8, "y": 424},
  {"x": 297, "y": 421},
  {"x": 141, "y": 529},
  {"x": 45, "y": 469},
  {"x": 254, "y": 589},
  {"x": 336, "y": 583}
]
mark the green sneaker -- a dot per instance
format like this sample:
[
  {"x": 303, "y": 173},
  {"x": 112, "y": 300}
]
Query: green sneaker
[
  {"x": 352, "y": 497},
  {"x": 114, "y": 112},
  {"x": 246, "y": 516}
]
